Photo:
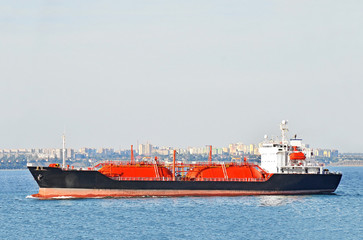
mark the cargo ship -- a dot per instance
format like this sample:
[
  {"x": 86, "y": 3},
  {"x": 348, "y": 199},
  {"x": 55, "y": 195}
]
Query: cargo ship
[{"x": 287, "y": 168}]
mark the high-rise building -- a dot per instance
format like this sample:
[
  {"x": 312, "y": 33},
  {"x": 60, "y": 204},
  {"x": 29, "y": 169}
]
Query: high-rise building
[{"x": 145, "y": 149}]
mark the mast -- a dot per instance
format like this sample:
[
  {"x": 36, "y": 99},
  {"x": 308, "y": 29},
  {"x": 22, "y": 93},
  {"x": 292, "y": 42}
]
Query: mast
[
  {"x": 64, "y": 150},
  {"x": 132, "y": 155},
  {"x": 174, "y": 153},
  {"x": 210, "y": 155},
  {"x": 284, "y": 129}
]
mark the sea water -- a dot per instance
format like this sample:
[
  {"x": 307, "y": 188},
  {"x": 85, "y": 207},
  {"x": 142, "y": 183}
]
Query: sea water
[{"x": 333, "y": 216}]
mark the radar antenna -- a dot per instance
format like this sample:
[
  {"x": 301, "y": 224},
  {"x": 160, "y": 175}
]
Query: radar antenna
[{"x": 284, "y": 129}]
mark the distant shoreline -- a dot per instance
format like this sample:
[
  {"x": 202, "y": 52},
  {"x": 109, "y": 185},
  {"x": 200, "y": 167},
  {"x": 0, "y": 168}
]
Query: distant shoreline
[
  {"x": 12, "y": 169},
  {"x": 348, "y": 165}
]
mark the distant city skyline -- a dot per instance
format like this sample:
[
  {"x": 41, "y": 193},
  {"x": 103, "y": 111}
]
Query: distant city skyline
[
  {"x": 234, "y": 149},
  {"x": 180, "y": 73},
  {"x": 89, "y": 157}
]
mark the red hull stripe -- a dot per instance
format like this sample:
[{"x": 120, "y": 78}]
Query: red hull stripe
[{"x": 99, "y": 193}]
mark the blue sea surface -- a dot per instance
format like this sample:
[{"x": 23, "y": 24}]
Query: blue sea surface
[{"x": 336, "y": 216}]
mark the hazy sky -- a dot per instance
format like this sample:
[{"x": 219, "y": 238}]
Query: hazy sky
[{"x": 180, "y": 73}]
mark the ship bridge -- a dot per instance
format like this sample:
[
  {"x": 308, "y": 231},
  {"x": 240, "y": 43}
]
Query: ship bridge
[{"x": 284, "y": 156}]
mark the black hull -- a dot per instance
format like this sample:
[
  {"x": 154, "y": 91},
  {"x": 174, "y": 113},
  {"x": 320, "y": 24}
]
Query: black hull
[{"x": 55, "y": 181}]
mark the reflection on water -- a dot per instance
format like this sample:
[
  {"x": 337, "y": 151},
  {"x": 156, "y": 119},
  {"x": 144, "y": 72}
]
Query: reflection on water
[{"x": 272, "y": 201}]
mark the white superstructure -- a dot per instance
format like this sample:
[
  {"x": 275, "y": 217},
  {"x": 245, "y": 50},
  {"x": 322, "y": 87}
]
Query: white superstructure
[{"x": 284, "y": 156}]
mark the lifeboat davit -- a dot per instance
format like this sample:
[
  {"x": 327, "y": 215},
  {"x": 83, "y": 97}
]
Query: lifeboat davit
[{"x": 296, "y": 155}]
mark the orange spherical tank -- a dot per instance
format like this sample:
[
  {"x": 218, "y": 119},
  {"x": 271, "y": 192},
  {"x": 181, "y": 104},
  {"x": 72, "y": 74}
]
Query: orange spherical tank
[
  {"x": 244, "y": 171},
  {"x": 132, "y": 171},
  {"x": 194, "y": 172}
]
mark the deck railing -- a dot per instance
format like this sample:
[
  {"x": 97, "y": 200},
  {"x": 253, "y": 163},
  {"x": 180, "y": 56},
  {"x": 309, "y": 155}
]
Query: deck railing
[
  {"x": 195, "y": 180},
  {"x": 233, "y": 179}
]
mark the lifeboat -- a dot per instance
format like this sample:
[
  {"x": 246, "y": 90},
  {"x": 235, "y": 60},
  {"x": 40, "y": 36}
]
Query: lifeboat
[{"x": 297, "y": 155}]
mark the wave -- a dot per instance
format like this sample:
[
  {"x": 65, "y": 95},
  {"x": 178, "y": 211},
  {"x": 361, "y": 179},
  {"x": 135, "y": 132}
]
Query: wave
[{"x": 31, "y": 197}]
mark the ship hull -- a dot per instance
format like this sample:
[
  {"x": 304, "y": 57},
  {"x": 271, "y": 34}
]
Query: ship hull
[{"x": 55, "y": 182}]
